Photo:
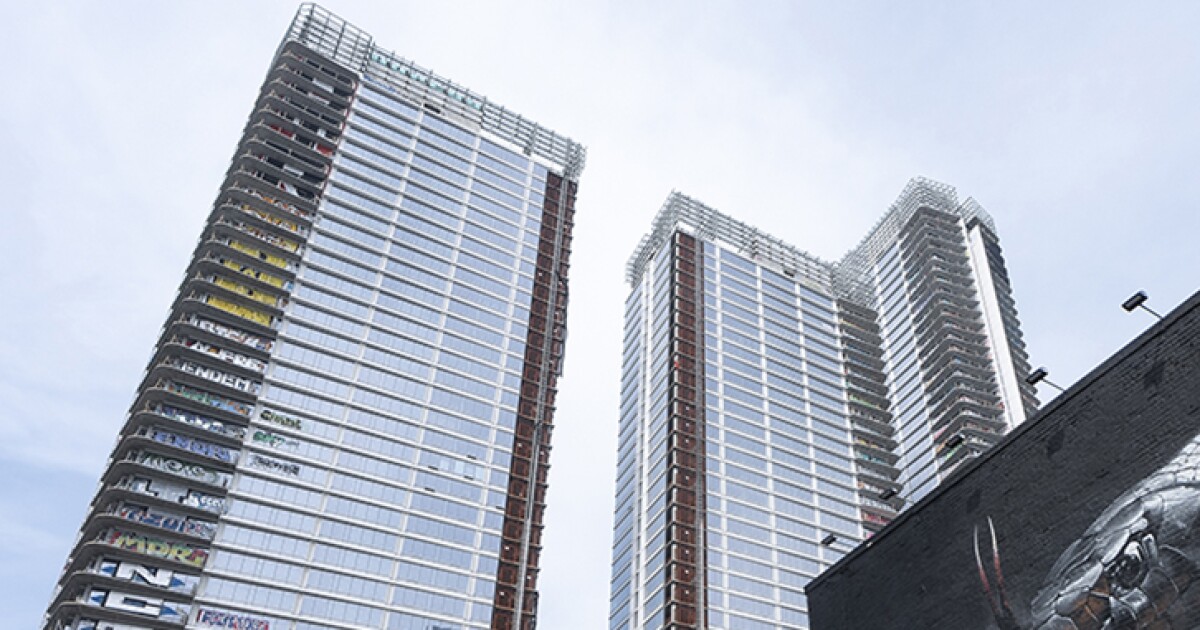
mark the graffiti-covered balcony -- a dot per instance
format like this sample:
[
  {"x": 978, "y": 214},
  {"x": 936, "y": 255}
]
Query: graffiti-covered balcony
[
  {"x": 175, "y": 463},
  {"x": 235, "y": 313},
  {"x": 266, "y": 223},
  {"x": 123, "y": 543},
  {"x": 121, "y": 510},
  {"x": 93, "y": 610},
  {"x": 234, "y": 258},
  {"x": 269, "y": 202},
  {"x": 220, "y": 381},
  {"x": 227, "y": 228},
  {"x": 247, "y": 292},
  {"x": 171, "y": 451},
  {"x": 199, "y": 400},
  {"x": 234, "y": 338},
  {"x": 119, "y": 572},
  {"x": 191, "y": 348},
  {"x": 205, "y": 425},
  {"x": 192, "y": 501}
]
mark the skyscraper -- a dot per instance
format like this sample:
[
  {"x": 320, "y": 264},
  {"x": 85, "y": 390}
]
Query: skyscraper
[
  {"x": 777, "y": 409},
  {"x": 346, "y": 420}
]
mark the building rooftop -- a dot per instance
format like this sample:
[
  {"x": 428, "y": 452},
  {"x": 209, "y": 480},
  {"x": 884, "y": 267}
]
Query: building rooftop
[
  {"x": 841, "y": 277},
  {"x": 324, "y": 32}
]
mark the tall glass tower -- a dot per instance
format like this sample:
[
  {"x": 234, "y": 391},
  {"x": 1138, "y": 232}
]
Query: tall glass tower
[
  {"x": 346, "y": 420},
  {"x": 777, "y": 409}
]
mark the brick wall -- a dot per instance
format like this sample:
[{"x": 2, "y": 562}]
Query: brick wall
[{"x": 1042, "y": 487}]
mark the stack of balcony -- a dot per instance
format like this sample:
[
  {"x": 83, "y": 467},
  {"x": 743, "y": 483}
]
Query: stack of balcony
[
  {"x": 966, "y": 412},
  {"x": 151, "y": 523},
  {"x": 870, "y": 418},
  {"x": 1008, "y": 316}
]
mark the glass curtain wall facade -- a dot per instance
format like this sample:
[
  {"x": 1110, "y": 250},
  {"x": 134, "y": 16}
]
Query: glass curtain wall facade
[
  {"x": 951, "y": 342},
  {"x": 759, "y": 432},
  {"x": 346, "y": 421}
]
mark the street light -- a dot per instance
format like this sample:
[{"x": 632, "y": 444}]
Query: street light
[
  {"x": 1039, "y": 376},
  {"x": 1138, "y": 300}
]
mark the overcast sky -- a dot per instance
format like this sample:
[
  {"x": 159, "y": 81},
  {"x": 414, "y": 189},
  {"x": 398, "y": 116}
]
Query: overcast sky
[{"x": 1074, "y": 124}]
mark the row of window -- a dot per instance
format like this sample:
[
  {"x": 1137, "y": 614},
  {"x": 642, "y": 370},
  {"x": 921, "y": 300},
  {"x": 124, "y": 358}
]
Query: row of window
[{"x": 382, "y": 159}]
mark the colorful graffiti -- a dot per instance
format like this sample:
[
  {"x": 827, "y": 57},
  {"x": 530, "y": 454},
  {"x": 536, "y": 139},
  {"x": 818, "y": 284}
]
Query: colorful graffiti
[
  {"x": 228, "y": 356},
  {"x": 212, "y": 400},
  {"x": 294, "y": 228},
  {"x": 155, "y": 547},
  {"x": 148, "y": 575},
  {"x": 274, "y": 465},
  {"x": 266, "y": 438},
  {"x": 262, "y": 297},
  {"x": 233, "y": 308},
  {"x": 251, "y": 272},
  {"x": 281, "y": 419},
  {"x": 182, "y": 469},
  {"x": 265, "y": 236},
  {"x": 139, "y": 605},
  {"x": 279, "y": 203},
  {"x": 234, "y": 334},
  {"x": 190, "y": 444},
  {"x": 217, "y": 376},
  {"x": 230, "y": 621},
  {"x": 199, "y": 421},
  {"x": 203, "y": 501},
  {"x": 255, "y": 252},
  {"x": 172, "y": 492},
  {"x": 167, "y": 521}
]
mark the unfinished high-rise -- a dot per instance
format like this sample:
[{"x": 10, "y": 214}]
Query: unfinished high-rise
[
  {"x": 777, "y": 409},
  {"x": 346, "y": 420}
]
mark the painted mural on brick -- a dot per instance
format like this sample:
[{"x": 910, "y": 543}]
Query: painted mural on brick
[
  {"x": 1134, "y": 568},
  {"x": 1087, "y": 517}
]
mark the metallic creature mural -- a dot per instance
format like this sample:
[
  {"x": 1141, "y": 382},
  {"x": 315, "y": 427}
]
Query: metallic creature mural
[{"x": 1134, "y": 568}]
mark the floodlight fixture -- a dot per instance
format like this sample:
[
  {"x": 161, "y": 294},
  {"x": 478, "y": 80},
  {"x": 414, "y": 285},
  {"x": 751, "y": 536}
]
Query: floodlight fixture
[
  {"x": 1138, "y": 300},
  {"x": 1039, "y": 376}
]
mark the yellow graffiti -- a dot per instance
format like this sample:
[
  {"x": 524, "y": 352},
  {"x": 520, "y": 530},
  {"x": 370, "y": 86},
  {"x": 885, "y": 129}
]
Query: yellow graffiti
[
  {"x": 241, "y": 289},
  {"x": 274, "y": 220},
  {"x": 254, "y": 252},
  {"x": 247, "y": 270},
  {"x": 178, "y": 552},
  {"x": 239, "y": 310}
]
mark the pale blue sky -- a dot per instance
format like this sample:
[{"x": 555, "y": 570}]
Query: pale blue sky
[{"x": 1075, "y": 124}]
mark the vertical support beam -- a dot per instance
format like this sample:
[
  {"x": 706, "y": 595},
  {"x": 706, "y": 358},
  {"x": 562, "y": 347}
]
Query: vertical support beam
[
  {"x": 515, "y": 602},
  {"x": 685, "y": 562}
]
